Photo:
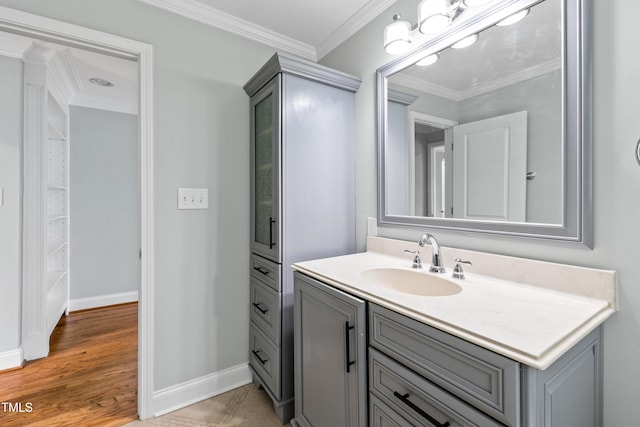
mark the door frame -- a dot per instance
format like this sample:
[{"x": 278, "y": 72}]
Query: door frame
[
  {"x": 416, "y": 117},
  {"x": 15, "y": 21}
]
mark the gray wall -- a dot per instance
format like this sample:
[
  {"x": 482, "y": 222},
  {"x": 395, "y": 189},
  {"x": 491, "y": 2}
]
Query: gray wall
[
  {"x": 616, "y": 183},
  {"x": 105, "y": 233},
  {"x": 11, "y": 211},
  {"x": 201, "y": 136}
]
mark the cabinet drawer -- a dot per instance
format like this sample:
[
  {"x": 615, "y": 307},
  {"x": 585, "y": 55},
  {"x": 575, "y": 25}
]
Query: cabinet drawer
[
  {"x": 380, "y": 415},
  {"x": 265, "y": 270},
  {"x": 265, "y": 309},
  {"x": 485, "y": 379},
  {"x": 417, "y": 400},
  {"x": 264, "y": 357}
]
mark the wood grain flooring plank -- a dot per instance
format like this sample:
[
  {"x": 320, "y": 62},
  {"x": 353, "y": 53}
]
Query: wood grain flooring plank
[{"x": 89, "y": 379}]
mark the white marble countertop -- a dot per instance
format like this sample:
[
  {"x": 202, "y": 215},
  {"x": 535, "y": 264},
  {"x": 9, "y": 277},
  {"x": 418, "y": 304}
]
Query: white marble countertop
[{"x": 529, "y": 323}]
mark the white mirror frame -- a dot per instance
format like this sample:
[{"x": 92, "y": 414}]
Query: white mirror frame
[{"x": 577, "y": 226}]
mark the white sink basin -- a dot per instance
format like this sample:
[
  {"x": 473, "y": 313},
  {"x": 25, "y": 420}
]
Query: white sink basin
[{"x": 411, "y": 282}]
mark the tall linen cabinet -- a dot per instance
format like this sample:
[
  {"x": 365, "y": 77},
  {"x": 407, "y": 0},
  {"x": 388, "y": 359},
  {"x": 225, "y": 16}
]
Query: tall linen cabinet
[{"x": 302, "y": 200}]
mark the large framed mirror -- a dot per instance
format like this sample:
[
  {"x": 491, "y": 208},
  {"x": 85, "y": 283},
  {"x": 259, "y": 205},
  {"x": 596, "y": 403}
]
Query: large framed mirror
[{"x": 494, "y": 137}]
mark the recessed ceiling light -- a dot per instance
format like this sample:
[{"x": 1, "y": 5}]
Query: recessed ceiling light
[
  {"x": 516, "y": 17},
  {"x": 465, "y": 42},
  {"x": 101, "y": 82}
]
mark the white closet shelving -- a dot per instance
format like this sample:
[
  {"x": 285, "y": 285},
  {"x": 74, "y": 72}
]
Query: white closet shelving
[
  {"x": 45, "y": 240},
  {"x": 57, "y": 214}
]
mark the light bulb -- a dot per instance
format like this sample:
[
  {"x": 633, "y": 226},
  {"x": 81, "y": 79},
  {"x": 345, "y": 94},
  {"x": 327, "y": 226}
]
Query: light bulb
[
  {"x": 397, "y": 36},
  {"x": 516, "y": 17},
  {"x": 475, "y": 3},
  {"x": 434, "y": 15},
  {"x": 428, "y": 60},
  {"x": 465, "y": 42}
]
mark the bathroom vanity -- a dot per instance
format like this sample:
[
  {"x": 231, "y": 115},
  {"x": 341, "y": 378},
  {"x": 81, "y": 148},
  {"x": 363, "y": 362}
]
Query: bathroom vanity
[{"x": 516, "y": 343}]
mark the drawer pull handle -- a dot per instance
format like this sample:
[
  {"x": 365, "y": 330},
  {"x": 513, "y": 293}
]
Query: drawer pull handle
[
  {"x": 405, "y": 399},
  {"x": 261, "y": 270},
  {"x": 260, "y": 309},
  {"x": 347, "y": 345},
  {"x": 260, "y": 359}
]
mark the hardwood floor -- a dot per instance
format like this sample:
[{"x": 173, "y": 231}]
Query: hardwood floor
[{"x": 89, "y": 378}]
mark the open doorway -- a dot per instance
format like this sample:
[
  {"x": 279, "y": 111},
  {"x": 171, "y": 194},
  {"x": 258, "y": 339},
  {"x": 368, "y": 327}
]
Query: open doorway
[{"x": 29, "y": 25}]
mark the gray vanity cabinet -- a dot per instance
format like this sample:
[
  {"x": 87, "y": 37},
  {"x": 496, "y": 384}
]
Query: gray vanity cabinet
[
  {"x": 302, "y": 200},
  {"x": 416, "y": 369},
  {"x": 330, "y": 356},
  {"x": 419, "y": 375}
]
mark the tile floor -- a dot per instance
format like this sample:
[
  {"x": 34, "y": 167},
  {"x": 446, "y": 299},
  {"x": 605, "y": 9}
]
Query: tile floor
[{"x": 246, "y": 406}]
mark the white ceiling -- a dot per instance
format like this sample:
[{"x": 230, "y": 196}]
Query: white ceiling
[
  {"x": 72, "y": 68},
  {"x": 307, "y": 28}
]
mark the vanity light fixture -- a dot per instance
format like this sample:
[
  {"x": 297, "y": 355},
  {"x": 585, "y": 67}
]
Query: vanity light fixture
[
  {"x": 476, "y": 3},
  {"x": 516, "y": 17},
  {"x": 397, "y": 36},
  {"x": 428, "y": 60},
  {"x": 465, "y": 42},
  {"x": 434, "y": 16}
]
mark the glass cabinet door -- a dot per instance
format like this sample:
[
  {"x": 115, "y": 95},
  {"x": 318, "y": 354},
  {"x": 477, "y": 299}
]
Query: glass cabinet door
[{"x": 265, "y": 171}]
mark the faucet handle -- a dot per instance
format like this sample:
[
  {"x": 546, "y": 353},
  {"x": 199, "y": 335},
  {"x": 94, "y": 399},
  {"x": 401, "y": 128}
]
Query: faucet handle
[
  {"x": 458, "y": 272},
  {"x": 417, "y": 263}
]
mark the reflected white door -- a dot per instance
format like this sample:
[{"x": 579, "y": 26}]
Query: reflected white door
[{"x": 490, "y": 163}]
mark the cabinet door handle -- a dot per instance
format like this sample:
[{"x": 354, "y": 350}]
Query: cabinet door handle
[
  {"x": 260, "y": 309},
  {"x": 261, "y": 270},
  {"x": 271, "y": 242},
  {"x": 260, "y": 359},
  {"x": 404, "y": 398},
  {"x": 347, "y": 345}
]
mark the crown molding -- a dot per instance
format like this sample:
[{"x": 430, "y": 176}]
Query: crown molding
[
  {"x": 63, "y": 75},
  {"x": 14, "y": 47},
  {"x": 207, "y": 15},
  {"x": 479, "y": 89},
  {"x": 354, "y": 24},
  {"x": 67, "y": 87},
  {"x": 118, "y": 105}
]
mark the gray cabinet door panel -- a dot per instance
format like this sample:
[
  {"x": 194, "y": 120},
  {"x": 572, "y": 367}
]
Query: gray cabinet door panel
[
  {"x": 330, "y": 356},
  {"x": 418, "y": 400},
  {"x": 264, "y": 357},
  {"x": 569, "y": 392},
  {"x": 380, "y": 415},
  {"x": 267, "y": 271},
  {"x": 265, "y": 309},
  {"x": 484, "y": 379}
]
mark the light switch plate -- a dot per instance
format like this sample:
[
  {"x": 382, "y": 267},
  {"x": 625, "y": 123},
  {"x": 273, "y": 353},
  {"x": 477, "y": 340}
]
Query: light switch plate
[{"x": 193, "y": 198}]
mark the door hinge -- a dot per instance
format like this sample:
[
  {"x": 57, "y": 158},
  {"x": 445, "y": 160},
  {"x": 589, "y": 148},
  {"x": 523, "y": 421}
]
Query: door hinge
[{"x": 140, "y": 253}]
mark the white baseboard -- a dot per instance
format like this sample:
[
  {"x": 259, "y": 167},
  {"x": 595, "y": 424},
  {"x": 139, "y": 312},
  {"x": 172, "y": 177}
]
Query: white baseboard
[
  {"x": 190, "y": 392},
  {"x": 102, "y": 301},
  {"x": 11, "y": 359}
]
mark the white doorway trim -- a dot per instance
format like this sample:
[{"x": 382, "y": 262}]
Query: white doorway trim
[
  {"x": 416, "y": 117},
  {"x": 31, "y": 25}
]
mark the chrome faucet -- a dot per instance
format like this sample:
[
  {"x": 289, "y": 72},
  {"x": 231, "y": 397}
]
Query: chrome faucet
[{"x": 436, "y": 258}]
